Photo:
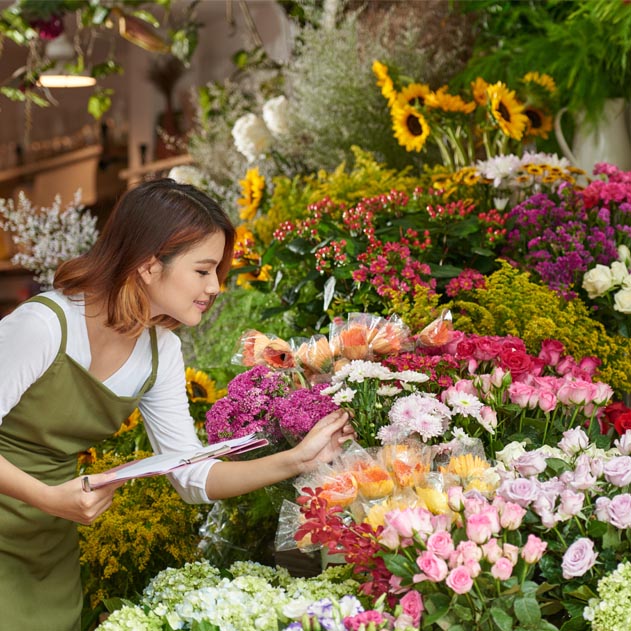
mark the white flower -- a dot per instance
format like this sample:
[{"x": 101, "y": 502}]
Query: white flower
[
  {"x": 187, "y": 175},
  {"x": 551, "y": 159},
  {"x": 360, "y": 370},
  {"x": 275, "y": 115},
  {"x": 619, "y": 272},
  {"x": 511, "y": 452},
  {"x": 343, "y": 396},
  {"x": 622, "y": 301},
  {"x": 463, "y": 403},
  {"x": 598, "y": 281},
  {"x": 410, "y": 376},
  {"x": 499, "y": 168},
  {"x": 388, "y": 391},
  {"x": 251, "y": 136},
  {"x": 624, "y": 255}
]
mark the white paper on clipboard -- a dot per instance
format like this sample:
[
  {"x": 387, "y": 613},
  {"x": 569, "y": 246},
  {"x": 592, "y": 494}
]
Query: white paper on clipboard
[{"x": 162, "y": 464}]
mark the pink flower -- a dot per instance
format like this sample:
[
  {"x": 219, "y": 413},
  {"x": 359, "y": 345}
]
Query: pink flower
[
  {"x": 459, "y": 580},
  {"x": 511, "y": 552},
  {"x": 551, "y": 351},
  {"x": 618, "y": 510},
  {"x": 389, "y": 537},
  {"x": 530, "y": 463},
  {"x": 576, "y": 392},
  {"x": 547, "y": 401},
  {"x": 522, "y": 491},
  {"x": 492, "y": 550},
  {"x": 441, "y": 544},
  {"x": 465, "y": 551},
  {"x": 502, "y": 569},
  {"x": 578, "y": 558},
  {"x": 481, "y": 526},
  {"x": 432, "y": 567},
  {"x": 533, "y": 550},
  {"x": 618, "y": 471},
  {"x": 573, "y": 441},
  {"x": 571, "y": 503},
  {"x": 511, "y": 515},
  {"x": 523, "y": 395},
  {"x": 488, "y": 418},
  {"x": 408, "y": 521},
  {"x": 455, "y": 497},
  {"x": 412, "y": 605}
]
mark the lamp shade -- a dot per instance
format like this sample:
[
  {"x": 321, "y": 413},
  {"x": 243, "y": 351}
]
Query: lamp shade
[{"x": 61, "y": 51}]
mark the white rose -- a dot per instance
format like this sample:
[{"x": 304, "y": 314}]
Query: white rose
[
  {"x": 622, "y": 301},
  {"x": 275, "y": 115},
  {"x": 511, "y": 452},
  {"x": 598, "y": 281},
  {"x": 251, "y": 136},
  {"x": 187, "y": 175},
  {"x": 624, "y": 255},
  {"x": 619, "y": 272}
]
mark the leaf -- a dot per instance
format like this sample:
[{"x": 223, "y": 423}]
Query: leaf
[
  {"x": 99, "y": 103},
  {"x": 462, "y": 612},
  {"x": 329, "y": 292},
  {"x": 596, "y": 529},
  {"x": 145, "y": 16},
  {"x": 575, "y": 624},
  {"x": 527, "y": 611},
  {"x": 503, "y": 620},
  {"x": 444, "y": 271},
  {"x": 398, "y": 565},
  {"x": 299, "y": 246}
]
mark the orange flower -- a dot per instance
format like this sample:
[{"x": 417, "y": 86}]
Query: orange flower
[
  {"x": 277, "y": 354},
  {"x": 257, "y": 348},
  {"x": 373, "y": 481},
  {"x": 389, "y": 339},
  {"x": 408, "y": 474},
  {"x": 439, "y": 332},
  {"x": 340, "y": 490},
  {"x": 352, "y": 341},
  {"x": 315, "y": 355}
]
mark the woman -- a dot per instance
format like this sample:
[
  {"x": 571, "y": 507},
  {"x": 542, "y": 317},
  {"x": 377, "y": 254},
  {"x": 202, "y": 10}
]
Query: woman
[{"x": 76, "y": 361}]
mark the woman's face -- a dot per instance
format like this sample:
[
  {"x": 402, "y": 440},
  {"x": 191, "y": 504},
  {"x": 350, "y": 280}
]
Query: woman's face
[{"x": 182, "y": 288}]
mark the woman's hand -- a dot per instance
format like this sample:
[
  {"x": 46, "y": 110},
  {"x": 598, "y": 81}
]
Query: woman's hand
[
  {"x": 74, "y": 502},
  {"x": 324, "y": 442}
]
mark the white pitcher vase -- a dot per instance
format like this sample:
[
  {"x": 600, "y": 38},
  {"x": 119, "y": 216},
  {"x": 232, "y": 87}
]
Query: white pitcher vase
[{"x": 607, "y": 140}]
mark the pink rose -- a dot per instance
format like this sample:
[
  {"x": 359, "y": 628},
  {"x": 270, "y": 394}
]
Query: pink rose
[
  {"x": 511, "y": 516},
  {"x": 573, "y": 441},
  {"x": 488, "y": 418},
  {"x": 432, "y": 567},
  {"x": 441, "y": 544},
  {"x": 455, "y": 498},
  {"x": 619, "y": 511},
  {"x": 578, "y": 558},
  {"x": 465, "y": 551},
  {"x": 533, "y": 550},
  {"x": 618, "y": 471},
  {"x": 571, "y": 504},
  {"x": 576, "y": 392},
  {"x": 551, "y": 351},
  {"x": 412, "y": 605},
  {"x": 511, "y": 552},
  {"x": 523, "y": 395},
  {"x": 502, "y": 569},
  {"x": 547, "y": 401},
  {"x": 518, "y": 363},
  {"x": 389, "y": 537},
  {"x": 522, "y": 491},
  {"x": 530, "y": 463},
  {"x": 590, "y": 364},
  {"x": 459, "y": 580},
  {"x": 487, "y": 349},
  {"x": 492, "y": 550},
  {"x": 601, "y": 509},
  {"x": 409, "y": 521}
]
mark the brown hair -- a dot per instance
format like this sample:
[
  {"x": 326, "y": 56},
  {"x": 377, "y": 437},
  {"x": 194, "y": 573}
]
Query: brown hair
[{"x": 161, "y": 218}]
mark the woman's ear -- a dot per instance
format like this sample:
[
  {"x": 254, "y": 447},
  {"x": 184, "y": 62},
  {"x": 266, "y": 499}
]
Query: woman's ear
[{"x": 150, "y": 270}]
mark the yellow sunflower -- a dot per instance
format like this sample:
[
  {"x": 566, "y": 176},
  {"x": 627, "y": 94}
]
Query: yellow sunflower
[
  {"x": 130, "y": 422},
  {"x": 243, "y": 244},
  {"x": 262, "y": 274},
  {"x": 507, "y": 110},
  {"x": 539, "y": 123},
  {"x": 88, "y": 456},
  {"x": 478, "y": 88},
  {"x": 252, "y": 187},
  {"x": 384, "y": 81},
  {"x": 200, "y": 387},
  {"x": 414, "y": 94},
  {"x": 544, "y": 80},
  {"x": 449, "y": 102},
  {"x": 410, "y": 127}
]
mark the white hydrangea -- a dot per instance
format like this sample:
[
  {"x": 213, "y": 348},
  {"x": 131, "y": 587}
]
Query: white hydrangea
[
  {"x": 132, "y": 618},
  {"x": 45, "y": 237},
  {"x": 275, "y": 115},
  {"x": 251, "y": 137},
  {"x": 612, "y": 609}
]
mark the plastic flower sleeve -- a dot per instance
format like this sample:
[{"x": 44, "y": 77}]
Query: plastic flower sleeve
[
  {"x": 350, "y": 339},
  {"x": 314, "y": 356},
  {"x": 438, "y": 332},
  {"x": 407, "y": 462},
  {"x": 390, "y": 337},
  {"x": 256, "y": 348},
  {"x": 290, "y": 518}
]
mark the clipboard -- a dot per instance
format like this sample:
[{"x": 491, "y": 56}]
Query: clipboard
[{"x": 161, "y": 464}]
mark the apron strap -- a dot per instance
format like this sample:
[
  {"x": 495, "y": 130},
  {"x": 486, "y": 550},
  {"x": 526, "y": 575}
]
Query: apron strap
[{"x": 51, "y": 304}]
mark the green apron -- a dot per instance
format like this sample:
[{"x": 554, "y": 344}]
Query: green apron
[{"x": 62, "y": 414}]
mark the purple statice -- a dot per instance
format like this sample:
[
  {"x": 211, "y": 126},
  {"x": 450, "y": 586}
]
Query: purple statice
[
  {"x": 248, "y": 406},
  {"x": 299, "y": 411}
]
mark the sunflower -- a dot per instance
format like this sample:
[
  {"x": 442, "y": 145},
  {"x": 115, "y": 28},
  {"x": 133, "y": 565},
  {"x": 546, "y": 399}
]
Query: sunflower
[
  {"x": 410, "y": 127},
  {"x": 507, "y": 110},
  {"x": 384, "y": 81},
  {"x": 200, "y": 387},
  {"x": 243, "y": 243},
  {"x": 262, "y": 274},
  {"x": 130, "y": 422},
  {"x": 478, "y": 87},
  {"x": 539, "y": 123},
  {"x": 252, "y": 187},
  {"x": 544, "y": 80},
  {"x": 449, "y": 102},
  {"x": 414, "y": 94},
  {"x": 88, "y": 456},
  {"x": 534, "y": 169}
]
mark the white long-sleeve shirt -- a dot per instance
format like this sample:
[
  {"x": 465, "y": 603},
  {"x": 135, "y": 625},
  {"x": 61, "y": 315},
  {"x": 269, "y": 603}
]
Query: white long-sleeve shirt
[{"x": 30, "y": 337}]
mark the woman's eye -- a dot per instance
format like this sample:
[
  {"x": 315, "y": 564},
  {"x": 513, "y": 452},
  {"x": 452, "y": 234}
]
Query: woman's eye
[{"x": 203, "y": 272}]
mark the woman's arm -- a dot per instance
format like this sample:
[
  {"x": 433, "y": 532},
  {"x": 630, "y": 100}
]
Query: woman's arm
[{"x": 322, "y": 444}]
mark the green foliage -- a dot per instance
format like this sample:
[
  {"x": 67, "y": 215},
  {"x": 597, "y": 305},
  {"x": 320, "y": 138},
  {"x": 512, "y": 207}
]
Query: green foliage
[{"x": 147, "y": 528}]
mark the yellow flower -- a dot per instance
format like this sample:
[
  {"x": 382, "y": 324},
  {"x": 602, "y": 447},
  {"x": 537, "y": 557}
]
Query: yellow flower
[
  {"x": 252, "y": 187},
  {"x": 478, "y": 87},
  {"x": 466, "y": 466},
  {"x": 262, "y": 274},
  {"x": 130, "y": 422},
  {"x": 534, "y": 169},
  {"x": 88, "y": 456},
  {"x": 384, "y": 81},
  {"x": 414, "y": 94},
  {"x": 433, "y": 500},
  {"x": 544, "y": 80},
  {"x": 200, "y": 387},
  {"x": 243, "y": 243},
  {"x": 539, "y": 123},
  {"x": 376, "y": 515},
  {"x": 507, "y": 110},
  {"x": 449, "y": 102},
  {"x": 410, "y": 128}
]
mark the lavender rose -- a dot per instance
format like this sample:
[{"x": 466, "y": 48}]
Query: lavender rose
[{"x": 578, "y": 558}]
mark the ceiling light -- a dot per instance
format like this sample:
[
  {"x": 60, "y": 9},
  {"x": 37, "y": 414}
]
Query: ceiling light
[{"x": 60, "y": 51}]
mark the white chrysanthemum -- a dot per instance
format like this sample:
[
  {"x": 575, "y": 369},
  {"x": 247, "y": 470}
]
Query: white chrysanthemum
[
  {"x": 345, "y": 395},
  {"x": 360, "y": 370},
  {"x": 499, "y": 168},
  {"x": 410, "y": 376},
  {"x": 332, "y": 389},
  {"x": 420, "y": 414},
  {"x": 388, "y": 391},
  {"x": 251, "y": 136},
  {"x": 464, "y": 403},
  {"x": 275, "y": 115},
  {"x": 187, "y": 175},
  {"x": 551, "y": 159}
]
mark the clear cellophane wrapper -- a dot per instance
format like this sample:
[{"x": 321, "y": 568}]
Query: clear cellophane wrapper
[
  {"x": 438, "y": 332},
  {"x": 369, "y": 337},
  {"x": 314, "y": 356},
  {"x": 256, "y": 348}
]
